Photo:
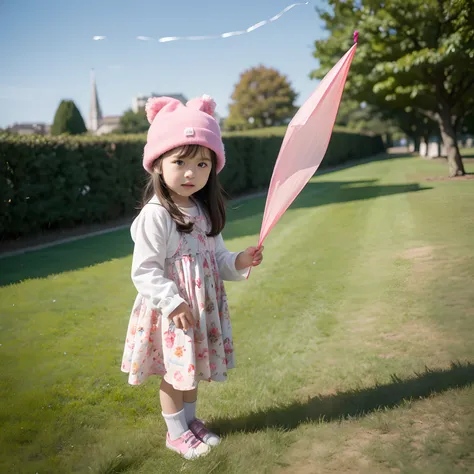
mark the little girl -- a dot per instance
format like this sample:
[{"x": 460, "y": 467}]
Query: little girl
[{"x": 180, "y": 327}]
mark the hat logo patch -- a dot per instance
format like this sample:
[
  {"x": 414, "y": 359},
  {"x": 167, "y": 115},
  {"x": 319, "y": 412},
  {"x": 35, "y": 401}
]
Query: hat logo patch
[{"x": 189, "y": 132}]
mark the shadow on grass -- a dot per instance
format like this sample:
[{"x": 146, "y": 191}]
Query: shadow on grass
[
  {"x": 354, "y": 403},
  {"x": 244, "y": 218},
  {"x": 66, "y": 257}
]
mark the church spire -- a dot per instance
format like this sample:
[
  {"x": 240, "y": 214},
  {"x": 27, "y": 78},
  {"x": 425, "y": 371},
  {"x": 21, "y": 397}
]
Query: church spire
[{"x": 95, "y": 114}]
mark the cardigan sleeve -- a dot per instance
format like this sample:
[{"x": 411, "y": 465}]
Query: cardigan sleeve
[
  {"x": 226, "y": 262},
  {"x": 150, "y": 232}
]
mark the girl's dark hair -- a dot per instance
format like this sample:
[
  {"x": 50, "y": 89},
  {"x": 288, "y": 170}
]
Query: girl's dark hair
[{"x": 211, "y": 196}]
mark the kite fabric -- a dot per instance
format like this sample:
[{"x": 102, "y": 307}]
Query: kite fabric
[
  {"x": 305, "y": 143},
  {"x": 167, "y": 39}
]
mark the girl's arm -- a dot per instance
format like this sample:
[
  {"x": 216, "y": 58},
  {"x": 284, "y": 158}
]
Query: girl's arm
[
  {"x": 150, "y": 233},
  {"x": 226, "y": 261},
  {"x": 251, "y": 257}
]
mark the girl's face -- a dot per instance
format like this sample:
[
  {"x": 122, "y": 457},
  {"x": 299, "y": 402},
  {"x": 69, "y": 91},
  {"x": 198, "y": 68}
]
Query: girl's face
[{"x": 185, "y": 176}]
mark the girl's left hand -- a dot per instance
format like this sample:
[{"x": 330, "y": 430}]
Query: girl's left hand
[{"x": 251, "y": 257}]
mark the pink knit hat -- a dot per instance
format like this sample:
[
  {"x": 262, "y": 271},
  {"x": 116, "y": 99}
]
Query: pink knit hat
[{"x": 174, "y": 124}]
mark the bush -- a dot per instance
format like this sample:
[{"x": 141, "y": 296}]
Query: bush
[
  {"x": 68, "y": 120},
  {"x": 50, "y": 183},
  {"x": 58, "y": 182},
  {"x": 259, "y": 149}
]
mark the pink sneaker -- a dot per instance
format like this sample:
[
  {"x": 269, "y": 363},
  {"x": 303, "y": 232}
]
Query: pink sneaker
[
  {"x": 202, "y": 433},
  {"x": 187, "y": 445}
]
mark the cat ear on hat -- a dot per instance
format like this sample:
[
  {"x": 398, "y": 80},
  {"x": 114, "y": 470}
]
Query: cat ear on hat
[
  {"x": 154, "y": 105},
  {"x": 204, "y": 103}
]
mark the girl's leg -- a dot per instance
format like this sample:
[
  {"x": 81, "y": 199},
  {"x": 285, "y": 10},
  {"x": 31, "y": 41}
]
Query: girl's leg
[
  {"x": 195, "y": 424},
  {"x": 171, "y": 399},
  {"x": 179, "y": 438},
  {"x": 189, "y": 398},
  {"x": 172, "y": 410}
]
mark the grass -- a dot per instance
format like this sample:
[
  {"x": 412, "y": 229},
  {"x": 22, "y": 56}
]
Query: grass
[
  {"x": 354, "y": 341},
  {"x": 467, "y": 152}
]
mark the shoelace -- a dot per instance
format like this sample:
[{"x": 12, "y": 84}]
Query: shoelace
[
  {"x": 194, "y": 442},
  {"x": 201, "y": 430}
]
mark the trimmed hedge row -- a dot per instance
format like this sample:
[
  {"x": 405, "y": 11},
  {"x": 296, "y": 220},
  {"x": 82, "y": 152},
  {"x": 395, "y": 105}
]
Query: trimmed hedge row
[{"x": 59, "y": 182}]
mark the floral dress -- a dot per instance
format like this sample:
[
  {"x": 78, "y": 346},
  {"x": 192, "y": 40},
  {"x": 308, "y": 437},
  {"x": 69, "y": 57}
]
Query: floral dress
[{"x": 155, "y": 346}]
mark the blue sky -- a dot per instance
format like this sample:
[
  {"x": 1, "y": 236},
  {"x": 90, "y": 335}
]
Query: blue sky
[{"x": 48, "y": 51}]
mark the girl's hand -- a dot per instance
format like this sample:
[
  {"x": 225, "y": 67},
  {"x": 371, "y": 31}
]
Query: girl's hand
[
  {"x": 182, "y": 317},
  {"x": 251, "y": 257}
]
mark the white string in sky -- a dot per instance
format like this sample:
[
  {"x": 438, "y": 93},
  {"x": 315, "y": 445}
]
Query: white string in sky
[{"x": 167, "y": 39}]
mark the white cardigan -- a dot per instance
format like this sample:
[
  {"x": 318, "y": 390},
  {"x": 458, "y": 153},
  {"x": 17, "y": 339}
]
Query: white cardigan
[{"x": 157, "y": 238}]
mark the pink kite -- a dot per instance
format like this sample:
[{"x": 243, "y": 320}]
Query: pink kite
[{"x": 305, "y": 143}]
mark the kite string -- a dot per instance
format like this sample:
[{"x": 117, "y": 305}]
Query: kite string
[{"x": 167, "y": 39}]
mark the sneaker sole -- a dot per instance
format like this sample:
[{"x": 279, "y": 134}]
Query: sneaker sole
[
  {"x": 186, "y": 456},
  {"x": 211, "y": 443}
]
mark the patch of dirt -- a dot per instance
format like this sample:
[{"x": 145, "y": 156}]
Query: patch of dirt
[
  {"x": 423, "y": 258},
  {"x": 426, "y": 261},
  {"x": 363, "y": 324},
  {"x": 440, "y": 159},
  {"x": 416, "y": 336},
  {"x": 466, "y": 177},
  {"x": 315, "y": 457},
  {"x": 350, "y": 449},
  {"x": 425, "y": 253},
  {"x": 415, "y": 332},
  {"x": 423, "y": 265},
  {"x": 388, "y": 356}
]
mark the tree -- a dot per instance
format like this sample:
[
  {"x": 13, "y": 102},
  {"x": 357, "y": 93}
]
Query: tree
[
  {"x": 68, "y": 120},
  {"x": 411, "y": 56},
  {"x": 262, "y": 98},
  {"x": 468, "y": 124},
  {"x": 366, "y": 118},
  {"x": 415, "y": 125},
  {"x": 133, "y": 122}
]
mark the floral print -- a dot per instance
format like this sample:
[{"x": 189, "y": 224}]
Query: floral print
[{"x": 154, "y": 346}]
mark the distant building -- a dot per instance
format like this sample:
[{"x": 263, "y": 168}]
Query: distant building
[
  {"x": 95, "y": 113},
  {"x": 29, "y": 128},
  {"x": 139, "y": 101},
  {"x": 99, "y": 125},
  {"x": 108, "y": 124}
]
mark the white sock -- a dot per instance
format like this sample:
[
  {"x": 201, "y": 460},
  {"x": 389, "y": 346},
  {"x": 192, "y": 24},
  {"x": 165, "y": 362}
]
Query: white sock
[
  {"x": 190, "y": 411},
  {"x": 176, "y": 424}
]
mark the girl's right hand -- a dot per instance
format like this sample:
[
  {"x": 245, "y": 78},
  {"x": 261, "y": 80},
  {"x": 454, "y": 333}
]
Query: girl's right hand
[{"x": 182, "y": 317}]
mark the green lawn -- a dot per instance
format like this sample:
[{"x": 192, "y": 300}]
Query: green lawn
[{"x": 354, "y": 341}]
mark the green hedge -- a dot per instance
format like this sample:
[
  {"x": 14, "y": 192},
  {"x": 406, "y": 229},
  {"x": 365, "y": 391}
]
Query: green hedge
[{"x": 59, "y": 182}]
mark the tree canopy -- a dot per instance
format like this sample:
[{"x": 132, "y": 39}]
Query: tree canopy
[
  {"x": 68, "y": 120},
  {"x": 133, "y": 122},
  {"x": 262, "y": 98},
  {"x": 414, "y": 59}
]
